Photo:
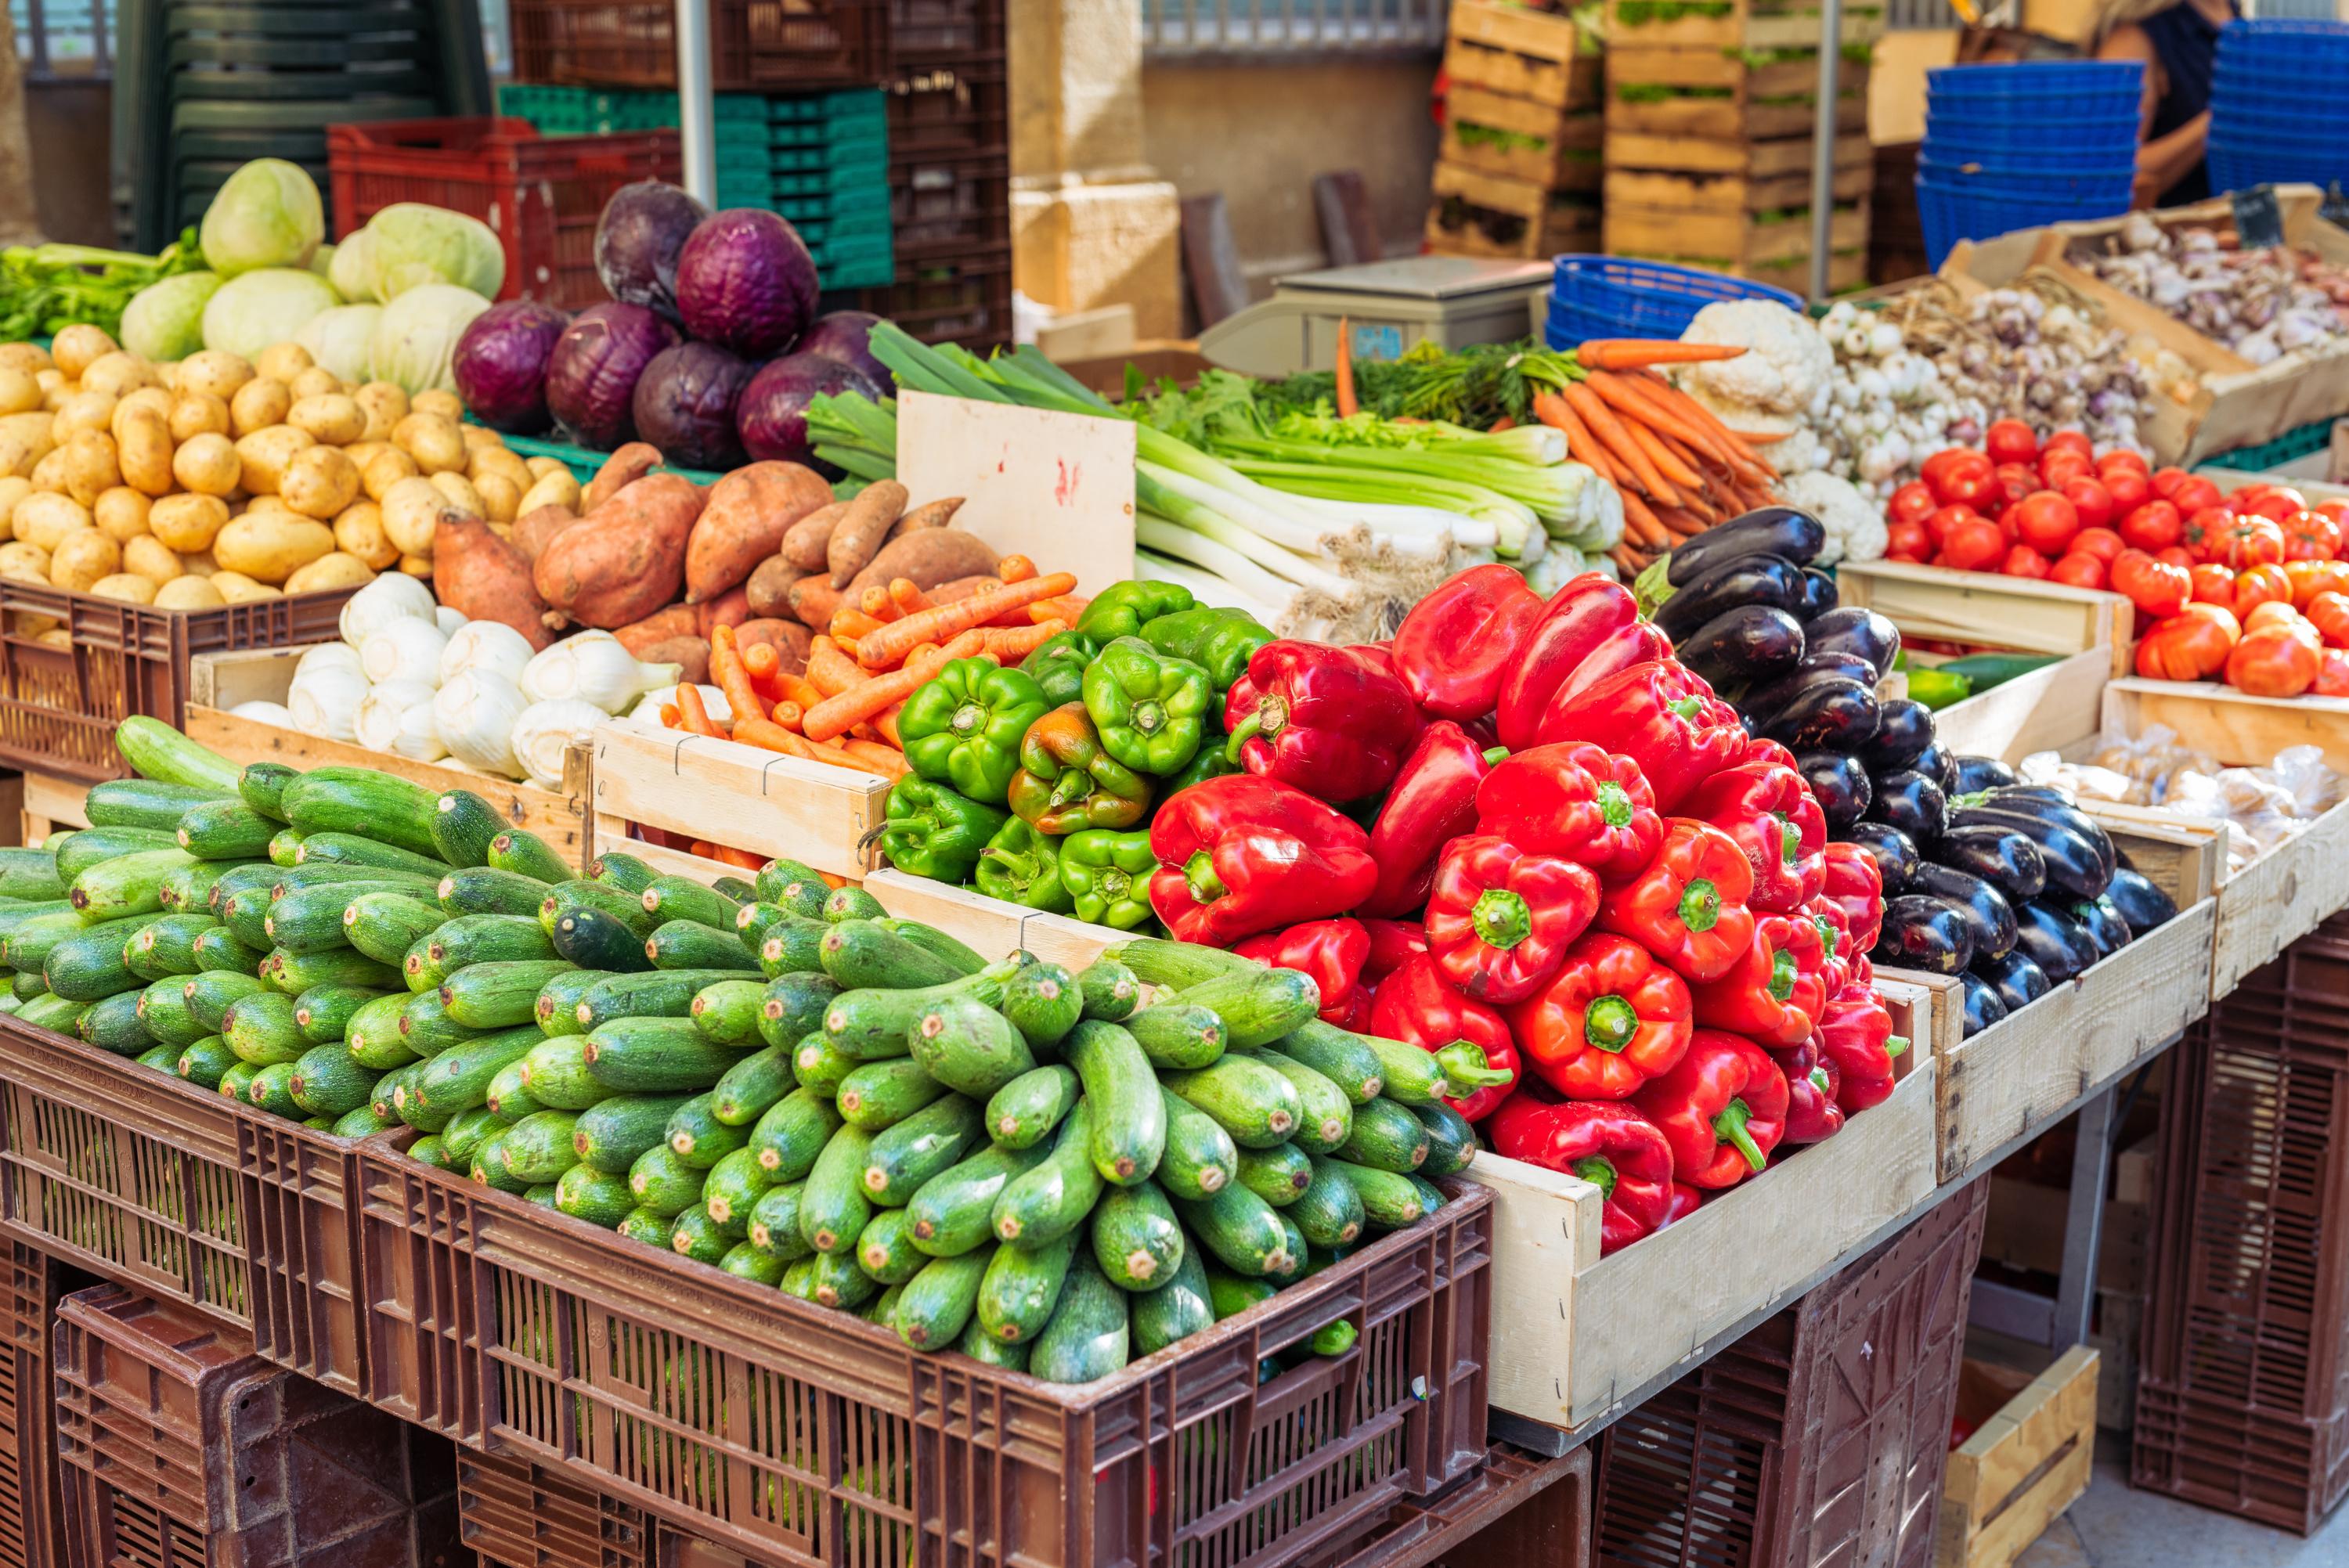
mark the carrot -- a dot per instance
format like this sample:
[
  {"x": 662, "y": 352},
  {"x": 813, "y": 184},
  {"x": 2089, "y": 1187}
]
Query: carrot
[
  {"x": 1551, "y": 409},
  {"x": 884, "y": 647},
  {"x": 727, "y": 670},
  {"x": 829, "y": 670},
  {"x": 848, "y": 623},
  {"x": 1015, "y": 569},
  {"x": 1735, "y": 447},
  {"x": 798, "y": 689},
  {"x": 906, "y": 595},
  {"x": 1503, "y": 423},
  {"x": 1630, "y": 397},
  {"x": 922, "y": 651},
  {"x": 694, "y": 711},
  {"x": 1642, "y": 523},
  {"x": 875, "y": 602},
  {"x": 883, "y": 760},
  {"x": 1634, "y": 353},
  {"x": 1348, "y": 405},
  {"x": 740, "y": 859},
  {"x": 1009, "y": 645},
  {"x": 839, "y": 714},
  {"x": 813, "y": 600},
  {"x": 788, "y": 714},
  {"x": 884, "y": 725},
  {"x": 1667, "y": 463},
  {"x": 669, "y": 715},
  {"x": 1610, "y": 432},
  {"x": 774, "y": 738},
  {"x": 1067, "y": 607},
  {"x": 1627, "y": 560},
  {"x": 703, "y": 848}
]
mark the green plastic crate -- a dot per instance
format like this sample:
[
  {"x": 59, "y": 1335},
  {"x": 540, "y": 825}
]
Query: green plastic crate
[{"x": 2303, "y": 440}]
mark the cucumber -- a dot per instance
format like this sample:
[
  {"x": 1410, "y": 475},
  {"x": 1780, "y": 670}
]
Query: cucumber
[
  {"x": 351, "y": 850},
  {"x": 295, "y": 973},
  {"x": 372, "y": 1034},
  {"x": 775, "y": 1223},
  {"x": 260, "y": 1029},
  {"x": 459, "y": 1078},
  {"x": 235, "y": 1080},
  {"x": 385, "y": 924},
  {"x": 1259, "y": 1006},
  {"x": 466, "y": 1133},
  {"x": 744, "y": 1261},
  {"x": 886, "y": 1250},
  {"x": 1450, "y": 1141},
  {"x": 954, "y": 1212},
  {"x": 167, "y": 946},
  {"x": 1325, "y": 1115},
  {"x": 427, "y": 1150},
  {"x": 1021, "y": 1286},
  {"x": 1338, "y": 1055},
  {"x": 163, "y": 1008},
  {"x": 908, "y": 1153},
  {"x": 222, "y": 949},
  {"x": 326, "y": 1082},
  {"x": 1051, "y": 1199},
  {"x": 96, "y": 846},
  {"x": 1024, "y": 1112},
  {"x": 798, "y": 888},
  {"x": 819, "y": 1066},
  {"x": 485, "y": 890},
  {"x": 143, "y": 803},
  {"x": 623, "y": 871},
  {"x": 557, "y": 1009},
  {"x": 462, "y": 824},
  {"x": 225, "y": 830},
  {"x": 863, "y": 953},
  {"x": 726, "y": 1011},
  {"x": 1328, "y": 1212},
  {"x": 1136, "y": 1239},
  {"x": 594, "y": 940},
  {"x": 190, "y": 888},
  {"x": 733, "y": 1188},
  {"x": 1390, "y": 1201},
  {"x": 31, "y": 874},
  {"x": 671, "y": 898},
  {"x": 794, "y": 1130},
  {"x": 361, "y": 1121},
  {"x": 271, "y": 1089},
  {"x": 664, "y": 1183},
  {"x": 931, "y": 940},
  {"x": 666, "y": 994},
  {"x": 1413, "y": 1076},
  {"x": 1278, "y": 1175},
  {"x": 1089, "y": 1335},
  {"x": 526, "y": 854},
  {"x": 967, "y": 1045},
  {"x": 125, "y": 885},
  {"x": 498, "y": 996},
  {"x": 835, "y": 1281},
  {"x": 1247, "y": 1099},
  {"x": 1179, "y": 965},
  {"x": 425, "y": 1027},
  {"x": 881, "y": 1094},
  {"x": 699, "y": 1139},
  {"x": 538, "y": 1148},
  {"x": 939, "y": 1302},
  {"x": 1241, "y": 1230},
  {"x": 285, "y": 848},
  {"x": 794, "y": 1006},
  {"x": 1179, "y": 1308},
  {"x": 360, "y": 800},
  {"x": 1178, "y": 1035},
  {"x": 112, "y": 1025},
  {"x": 791, "y": 945},
  {"x": 1128, "y": 1129},
  {"x": 688, "y": 944},
  {"x": 508, "y": 1100},
  {"x": 613, "y": 1134},
  {"x": 833, "y": 1207},
  {"x": 467, "y": 940},
  {"x": 310, "y": 919},
  {"x": 208, "y": 994},
  {"x": 872, "y": 1024},
  {"x": 1385, "y": 1136},
  {"x": 488, "y": 1168},
  {"x": 644, "y": 1225},
  {"x": 654, "y": 1056},
  {"x": 843, "y": 903},
  {"x": 1044, "y": 1002},
  {"x": 988, "y": 1351},
  {"x": 751, "y": 1085},
  {"x": 599, "y": 1197},
  {"x": 1200, "y": 1157}
]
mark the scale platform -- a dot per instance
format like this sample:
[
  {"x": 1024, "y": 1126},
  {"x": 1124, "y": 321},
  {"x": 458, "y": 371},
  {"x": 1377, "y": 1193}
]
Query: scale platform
[{"x": 1387, "y": 306}]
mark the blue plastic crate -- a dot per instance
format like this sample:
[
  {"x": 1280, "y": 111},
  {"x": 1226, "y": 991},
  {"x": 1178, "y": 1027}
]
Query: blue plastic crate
[
  {"x": 2044, "y": 160},
  {"x": 2234, "y": 170},
  {"x": 1995, "y": 133},
  {"x": 1621, "y": 296},
  {"x": 2047, "y": 93},
  {"x": 2031, "y": 186},
  {"x": 1951, "y": 213}
]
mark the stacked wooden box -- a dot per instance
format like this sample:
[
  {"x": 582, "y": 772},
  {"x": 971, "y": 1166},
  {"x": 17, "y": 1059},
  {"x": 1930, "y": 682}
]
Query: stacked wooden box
[
  {"x": 1712, "y": 111},
  {"x": 1518, "y": 175}
]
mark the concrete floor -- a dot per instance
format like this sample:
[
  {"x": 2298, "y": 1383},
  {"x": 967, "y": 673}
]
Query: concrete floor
[{"x": 2113, "y": 1527}]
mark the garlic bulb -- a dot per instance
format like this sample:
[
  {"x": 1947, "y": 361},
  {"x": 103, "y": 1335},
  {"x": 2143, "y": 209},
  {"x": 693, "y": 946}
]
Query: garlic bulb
[
  {"x": 397, "y": 718},
  {"x": 595, "y": 668},
  {"x": 325, "y": 702},
  {"x": 448, "y": 620},
  {"x": 546, "y": 730},
  {"x": 406, "y": 650},
  {"x": 393, "y": 596},
  {"x": 475, "y": 715},
  {"x": 489, "y": 645}
]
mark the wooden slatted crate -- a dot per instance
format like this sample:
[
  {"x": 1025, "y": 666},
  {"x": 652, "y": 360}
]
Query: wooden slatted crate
[
  {"x": 1732, "y": 23},
  {"x": 2029, "y": 1459},
  {"x": 1474, "y": 213},
  {"x": 1522, "y": 138},
  {"x": 1524, "y": 54},
  {"x": 1767, "y": 183},
  {"x": 1730, "y": 240},
  {"x": 1706, "y": 94}
]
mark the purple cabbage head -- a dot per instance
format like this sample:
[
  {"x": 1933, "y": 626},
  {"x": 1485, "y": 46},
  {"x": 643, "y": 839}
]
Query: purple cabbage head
[
  {"x": 772, "y": 414},
  {"x": 637, "y": 239},
  {"x": 685, "y": 404},
  {"x": 746, "y": 283},
  {"x": 591, "y": 380},
  {"x": 501, "y": 362},
  {"x": 846, "y": 336}
]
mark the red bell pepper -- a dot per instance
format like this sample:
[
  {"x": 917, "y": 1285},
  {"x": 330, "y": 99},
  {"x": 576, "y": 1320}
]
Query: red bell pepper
[
  {"x": 1837, "y": 951},
  {"x": 1576, "y": 800},
  {"x": 1812, "y": 1114},
  {"x": 1855, "y": 1036},
  {"x": 1612, "y": 1147},
  {"x": 1685, "y": 1201},
  {"x": 1240, "y": 854},
  {"x": 1774, "y": 992},
  {"x": 1457, "y": 643},
  {"x": 1663, "y": 718},
  {"x": 1776, "y": 821},
  {"x": 1433, "y": 801},
  {"x": 1625, "y": 648},
  {"x": 1334, "y": 722},
  {"x": 1854, "y": 881},
  {"x": 1472, "y": 1040},
  {"x": 1723, "y": 1109},
  {"x": 1762, "y": 752},
  {"x": 1332, "y": 952},
  {"x": 1393, "y": 944},
  {"x": 1500, "y": 919},
  {"x": 1612, "y": 1018},
  {"x": 1356, "y": 1013},
  {"x": 1574, "y": 622},
  {"x": 1688, "y": 908}
]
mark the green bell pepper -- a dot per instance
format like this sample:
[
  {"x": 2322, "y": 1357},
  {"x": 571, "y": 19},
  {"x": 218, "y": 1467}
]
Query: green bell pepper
[
  {"x": 1152, "y": 710},
  {"x": 963, "y": 726},
  {"x": 1218, "y": 640},
  {"x": 1119, "y": 610},
  {"x": 1210, "y": 763},
  {"x": 1058, "y": 665},
  {"x": 1067, "y": 782},
  {"x": 1021, "y": 865},
  {"x": 933, "y": 832},
  {"x": 1108, "y": 875}
]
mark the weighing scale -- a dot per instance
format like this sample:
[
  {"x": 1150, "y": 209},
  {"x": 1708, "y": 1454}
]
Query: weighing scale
[{"x": 1453, "y": 301}]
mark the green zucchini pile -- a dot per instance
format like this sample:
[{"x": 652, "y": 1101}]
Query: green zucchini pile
[{"x": 1048, "y": 1170}]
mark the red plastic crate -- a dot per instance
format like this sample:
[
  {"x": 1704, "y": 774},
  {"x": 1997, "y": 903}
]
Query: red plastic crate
[
  {"x": 30, "y": 1531},
  {"x": 755, "y": 46},
  {"x": 543, "y": 195}
]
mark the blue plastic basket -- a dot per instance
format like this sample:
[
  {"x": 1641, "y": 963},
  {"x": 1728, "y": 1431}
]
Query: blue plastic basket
[
  {"x": 2033, "y": 164},
  {"x": 2239, "y": 170},
  {"x": 2029, "y": 188},
  {"x": 1619, "y": 296},
  {"x": 1994, "y": 135},
  {"x": 1983, "y": 210},
  {"x": 2047, "y": 93}
]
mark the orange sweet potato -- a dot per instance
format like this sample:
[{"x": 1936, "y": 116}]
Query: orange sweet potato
[
  {"x": 531, "y": 534},
  {"x": 693, "y": 652},
  {"x": 749, "y": 512},
  {"x": 730, "y": 608},
  {"x": 806, "y": 541},
  {"x": 771, "y": 586},
  {"x": 621, "y": 470},
  {"x": 485, "y": 578},
  {"x": 814, "y": 600},
  {"x": 927, "y": 557},
  {"x": 660, "y": 626},
  {"x": 625, "y": 559}
]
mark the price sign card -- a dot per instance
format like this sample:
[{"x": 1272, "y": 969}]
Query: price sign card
[{"x": 1056, "y": 488}]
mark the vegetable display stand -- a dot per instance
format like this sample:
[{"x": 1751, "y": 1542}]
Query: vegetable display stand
[
  {"x": 541, "y": 195},
  {"x": 177, "y": 1444},
  {"x": 1577, "y": 1337},
  {"x": 1518, "y": 1509},
  {"x": 1821, "y": 1437},
  {"x": 798, "y": 1435},
  {"x": 59, "y": 705},
  {"x": 518, "y": 1514},
  {"x": 220, "y": 682},
  {"x": 736, "y": 795},
  {"x": 30, "y": 1529},
  {"x": 151, "y": 1182},
  {"x": 752, "y": 46},
  {"x": 2032, "y": 1446},
  {"x": 1737, "y": 24}
]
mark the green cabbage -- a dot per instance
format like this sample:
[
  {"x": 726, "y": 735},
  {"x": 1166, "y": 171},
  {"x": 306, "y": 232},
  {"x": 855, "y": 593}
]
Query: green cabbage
[
  {"x": 417, "y": 336},
  {"x": 348, "y": 271},
  {"x": 266, "y": 215},
  {"x": 248, "y": 314},
  {"x": 165, "y": 319},
  {"x": 410, "y": 244},
  {"x": 342, "y": 340}
]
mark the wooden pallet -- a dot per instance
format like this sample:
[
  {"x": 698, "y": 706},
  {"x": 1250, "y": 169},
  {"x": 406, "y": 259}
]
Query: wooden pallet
[
  {"x": 1732, "y": 239},
  {"x": 1735, "y": 25},
  {"x": 1533, "y": 55},
  {"x": 1551, "y": 225},
  {"x": 1740, "y": 193},
  {"x": 1553, "y": 165},
  {"x": 1742, "y": 103}
]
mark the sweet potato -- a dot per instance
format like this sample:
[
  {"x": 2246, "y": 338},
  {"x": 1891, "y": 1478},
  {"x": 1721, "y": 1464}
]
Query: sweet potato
[
  {"x": 730, "y": 608},
  {"x": 930, "y": 514},
  {"x": 814, "y": 600},
  {"x": 927, "y": 558},
  {"x": 625, "y": 559},
  {"x": 749, "y": 512},
  {"x": 770, "y": 586},
  {"x": 693, "y": 652},
  {"x": 621, "y": 470},
  {"x": 862, "y": 527},
  {"x": 788, "y": 638},
  {"x": 804, "y": 541},
  {"x": 485, "y": 578},
  {"x": 536, "y": 529},
  {"x": 660, "y": 626}
]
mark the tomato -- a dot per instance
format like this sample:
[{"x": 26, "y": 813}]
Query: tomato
[
  {"x": 2260, "y": 586},
  {"x": 2022, "y": 561},
  {"x": 2129, "y": 489},
  {"x": 2329, "y": 614},
  {"x": 2336, "y": 508},
  {"x": 2275, "y": 613},
  {"x": 2332, "y": 674},
  {"x": 1943, "y": 467},
  {"x": 2092, "y": 501},
  {"x": 2176, "y": 555},
  {"x": 2275, "y": 505},
  {"x": 2011, "y": 441},
  {"x": 1940, "y": 520},
  {"x": 1972, "y": 545},
  {"x": 2166, "y": 482},
  {"x": 2213, "y": 583},
  {"x": 1910, "y": 502},
  {"x": 2254, "y": 541},
  {"x": 2101, "y": 542},
  {"x": 2156, "y": 587},
  {"x": 2274, "y": 661},
  {"x": 1906, "y": 540},
  {"x": 2121, "y": 458},
  {"x": 2310, "y": 536},
  {"x": 2192, "y": 646},
  {"x": 1980, "y": 489},
  {"x": 2046, "y": 521},
  {"x": 2155, "y": 525},
  {"x": 2081, "y": 569},
  {"x": 2194, "y": 493},
  {"x": 2205, "y": 531},
  {"x": 2310, "y": 578},
  {"x": 2068, "y": 441},
  {"x": 2017, "y": 479},
  {"x": 2058, "y": 469}
]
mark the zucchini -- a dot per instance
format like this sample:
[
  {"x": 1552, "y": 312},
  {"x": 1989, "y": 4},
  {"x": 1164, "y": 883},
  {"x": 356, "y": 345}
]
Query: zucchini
[
  {"x": 52, "y": 1012},
  {"x": 886, "y": 1250},
  {"x": 1051, "y": 1199},
  {"x": 627, "y": 872},
  {"x": 163, "y": 1007},
  {"x": 204, "y": 1060},
  {"x": 326, "y": 1082},
  {"x": 1021, "y": 1286},
  {"x": 906, "y": 1154},
  {"x": 143, "y": 803},
  {"x": 262, "y": 786},
  {"x": 1338, "y": 1055},
  {"x": 1024, "y": 1112},
  {"x": 389, "y": 1091},
  {"x": 285, "y": 848},
  {"x": 1137, "y": 1241},
  {"x": 295, "y": 973},
  {"x": 850, "y": 902},
  {"x": 112, "y": 1024},
  {"x": 568, "y": 897},
  {"x": 794, "y": 1006},
  {"x": 1158, "y": 961},
  {"x": 835, "y": 1281},
  {"x": 1044, "y": 1002},
  {"x": 324, "y": 1013},
  {"x": 614, "y": 1133},
  {"x": 1328, "y": 1212},
  {"x": 236, "y": 1081},
  {"x": 1259, "y": 1006},
  {"x": 556, "y": 1074},
  {"x": 360, "y": 1122},
  {"x": 488, "y": 1168},
  {"x": 385, "y": 924},
  {"x": 557, "y": 1009},
  {"x": 125, "y": 885},
  {"x": 967, "y": 1045},
  {"x": 644, "y": 1225},
  {"x": 372, "y": 1034},
  {"x": 271, "y": 1089},
  {"x": 818, "y": 1065},
  {"x": 208, "y": 994},
  {"x": 833, "y": 1207},
  {"x": 1450, "y": 1141},
  {"x": 733, "y": 1188},
  {"x": 1385, "y": 1136},
  {"x": 1089, "y": 1335},
  {"x": 594, "y": 940},
  {"x": 190, "y": 889},
  {"x": 1200, "y": 1157},
  {"x": 16, "y": 914},
  {"x": 774, "y": 1226},
  {"x": 260, "y": 1029},
  {"x": 599, "y": 1197},
  {"x": 744, "y": 1261},
  {"x": 752, "y": 921},
  {"x": 791, "y": 945},
  {"x": 538, "y": 1148},
  {"x": 1413, "y": 1076},
  {"x": 1178, "y": 1035},
  {"x": 485, "y": 890},
  {"x": 864, "y": 953},
  {"x": 1278, "y": 1175},
  {"x": 310, "y": 919},
  {"x": 541, "y": 1194},
  {"x": 1178, "y": 1309},
  {"x": 793, "y": 1132},
  {"x": 931, "y": 940},
  {"x": 988, "y": 1351},
  {"x": 498, "y": 996},
  {"x": 654, "y": 1056},
  {"x": 524, "y": 854},
  {"x": 461, "y": 827},
  {"x": 225, "y": 830},
  {"x": 880, "y": 1094},
  {"x": 693, "y": 1235},
  {"x": 168, "y": 947},
  {"x": 939, "y": 1302},
  {"x": 29, "y": 946},
  {"x": 872, "y": 1024},
  {"x": 458, "y": 1078},
  {"x": 1390, "y": 1201},
  {"x": 156, "y": 751},
  {"x": 673, "y": 898},
  {"x": 699, "y": 1139},
  {"x": 745, "y": 1090},
  {"x": 726, "y": 1011},
  {"x": 508, "y": 1100},
  {"x": 1129, "y": 1131},
  {"x": 89, "y": 965},
  {"x": 427, "y": 1150},
  {"x": 360, "y": 802},
  {"x": 470, "y": 939},
  {"x": 798, "y": 888},
  {"x": 23, "y": 988},
  {"x": 688, "y": 944},
  {"x": 1249, "y": 1100},
  {"x": 222, "y": 949},
  {"x": 955, "y": 1209},
  {"x": 30, "y": 874},
  {"x": 466, "y": 1133},
  {"x": 1325, "y": 1117},
  {"x": 1241, "y": 1230},
  {"x": 351, "y": 850},
  {"x": 96, "y": 846}
]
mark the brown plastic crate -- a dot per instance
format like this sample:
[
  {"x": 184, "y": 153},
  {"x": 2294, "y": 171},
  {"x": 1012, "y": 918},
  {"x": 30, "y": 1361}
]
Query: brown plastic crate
[
  {"x": 755, "y": 46},
  {"x": 956, "y": 108},
  {"x": 966, "y": 301},
  {"x": 799, "y": 1435},
  {"x": 1818, "y": 1438},
  {"x": 518, "y": 1514},
  {"x": 944, "y": 208},
  {"x": 1518, "y": 1510},
  {"x": 59, "y": 708},
  {"x": 30, "y": 1533},
  {"x": 176, "y": 1191},
  {"x": 943, "y": 31}
]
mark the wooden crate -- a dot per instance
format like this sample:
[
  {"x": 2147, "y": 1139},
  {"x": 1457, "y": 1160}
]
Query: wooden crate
[
  {"x": 2025, "y": 1464},
  {"x": 218, "y": 681},
  {"x": 1738, "y": 24},
  {"x": 1551, "y": 222},
  {"x": 1729, "y": 239},
  {"x": 739, "y": 796},
  {"x": 1989, "y": 610},
  {"x": 1506, "y": 48},
  {"x": 1745, "y": 191},
  {"x": 2046, "y": 710},
  {"x": 1562, "y": 133},
  {"x": 49, "y": 804},
  {"x": 1726, "y": 101},
  {"x": 992, "y": 925}
]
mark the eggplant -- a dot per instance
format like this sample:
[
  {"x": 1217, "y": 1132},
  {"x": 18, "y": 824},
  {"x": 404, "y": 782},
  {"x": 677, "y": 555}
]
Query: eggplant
[
  {"x": 2105, "y": 925},
  {"x": 2004, "y": 857},
  {"x": 2071, "y": 862},
  {"x": 1936, "y": 763},
  {"x": 1976, "y": 774},
  {"x": 1769, "y": 579},
  {"x": 2053, "y": 805},
  {"x": 1912, "y": 803},
  {"x": 1990, "y": 919},
  {"x": 1744, "y": 647},
  {"x": 1982, "y": 1007},
  {"x": 2138, "y": 902},
  {"x": 1895, "y": 852},
  {"x": 1855, "y": 629},
  {"x": 1841, "y": 784},
  {"x": 1924, "y": 933},
  {"x": 2018, "y": 981},
  {"x": 1818, "y": 596},
  {"x": 2053, "y": 940},
  {"x": 1831, "y": 712},
  {"x": 1779, "y": 531},
  {"x": 1904, "y": 730}
]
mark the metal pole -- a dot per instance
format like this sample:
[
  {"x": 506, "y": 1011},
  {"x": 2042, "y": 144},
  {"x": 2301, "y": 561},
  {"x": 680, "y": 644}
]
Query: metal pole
[
  {"x": 695, "y": 120},
  {"x": 1823, "y": 144}
]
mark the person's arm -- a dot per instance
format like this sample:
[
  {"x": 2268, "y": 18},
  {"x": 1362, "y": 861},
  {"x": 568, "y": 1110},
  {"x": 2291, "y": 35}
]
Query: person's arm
[{"x": 2165, "y": 160}]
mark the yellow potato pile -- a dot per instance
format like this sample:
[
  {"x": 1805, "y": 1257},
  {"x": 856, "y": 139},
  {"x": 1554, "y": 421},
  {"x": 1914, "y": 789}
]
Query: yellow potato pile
[{"x": 215, "y": 481}]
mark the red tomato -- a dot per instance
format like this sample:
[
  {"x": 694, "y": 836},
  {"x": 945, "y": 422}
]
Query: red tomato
[
  {"x": 2068, "y": 440},
  {"x": 2194, "y": 493},
  {"x": 2337, "y": 509},
  {"x": 2271, "y": 612},
  {"x": 1945, "y": 466},
  {"x": 2254, "y": 541},
  {"x": 2129, "y": 489},
  {"x": 2275, "y": 505},
  {"x": 2310, "y": 536},
  {"x": 2058, "y": 469},
  {"x": 1972, "y": 545},
  {"x": 2101, "y": 542},
  {"x": 2046, "y": 522},
  {"x": 1980, "y": 489},
  {"x": 2156, "y": 587},
  {"x": 2310, "y": 578},
  {"x": 2176, "y": 555},
  {"x": 2081, "y": 569},
  {"x": 2018, "y": 480},
  {"x": 2155, "y": 525},
  {"x": 2023, "y": 561},
  {"x": 2332, "y": 674},
  {"x": 1906, "y": 539},
  {"x": 2274, "y": 661},
  {"x": 1910, "y": 502},
  {"x": 2121, "y": 456},
  {"x": 2206, "y": 532},
  {"x": 2213, "y": 583},
  {"x": 2165, "y": 481},
  {"x": 2329, "y": 614},
  {"x": 2011, "y": 441},
  {"x": 2259, "y": 585},
  {"x": 1940, "y": 520},
  {"x": 2092, "y": 501}
]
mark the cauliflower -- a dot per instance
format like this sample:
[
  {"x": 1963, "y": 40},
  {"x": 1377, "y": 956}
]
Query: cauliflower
[
  {"x": 1787, "y": 372},
  {"x": 1855, "y": 526}
]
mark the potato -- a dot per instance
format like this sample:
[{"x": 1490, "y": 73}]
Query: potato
[
  {"x": 91, "y": 467},
  {"x": 266, "y": 454},
  {"x": 82, "y": 411},
  {"x": 143, "y": 451},
  {"x": 12, "y": 489},
  {"x": 316, "y": 382},
  {"x": 236, "y": 588},
  {"x": 499, "y": 496},
  {"x": 411, "y": 509},
  {"x": 198, "y": 414},
  {"x": 78, "y": 347},
  {"x": 24, "y": 563},
  {"x": 46, "y": 517},
  {"x": 460, "y": 492},
  {"x": 82, "y": 558},
  {"x": 259, "y": 404},
  {"x": 213, "y": 373},
  {"x": 385, "y": 470},
  {"x": 540, "y": 467},
  {"x": 49, "y": 473},
  {"x": 208, "y": 465},
  {"x": 266, "y": 506},
  {"x": 360, "y": 531},
  {"x": 364, "y": 452},
  {"x": 198, "y": 562},
  {"x": 499, "y": 460},
  {"x": 25, "y": 440},
  {"x": 320, "y": 481},
  {"x": 433, "y": 441},
  {"x": 118, "y": 373},
  {"x": 19, "y": 392},
  {"x": 331, "y": 570},
  {"x": 188, "y": 522},
  {"x": 416, "y": 566},
  {"x": 150, "y": 558},
  {"x": 153, "y": 398},
  {"x": 282, "y": 361},
  {"x": 120, "y": 514},
  {"x": 560, "y": 488},
  {"x": 385, "y": 405},
  {"x": 188, "y": 593},
  {"x": 127, "y": 586},
  {"x": 444, "y": 405},
  {"x": 328, "y": 417},
  {"x": 29, "y": 357},
  {"x": 479, "y": 437},
  {"x": 270, "y": 548}
]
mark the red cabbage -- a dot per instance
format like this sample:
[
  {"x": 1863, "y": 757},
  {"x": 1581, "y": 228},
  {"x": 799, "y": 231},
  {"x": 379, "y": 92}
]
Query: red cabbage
[
  {"x": 685, "y": 405},
  {"x": 845, "y": 335},
  {"x": 746, "y": 283},
  {"x": 591, "y": 380},
  {"x": 772, "y": 414},
  {"x": 637, "y": 239},
  {"x": 501, "y": 362}
]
